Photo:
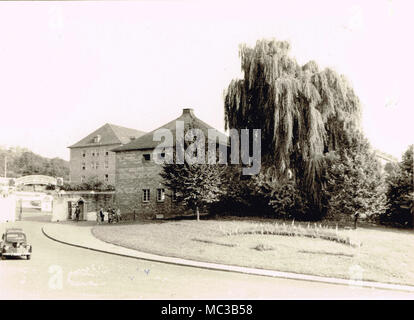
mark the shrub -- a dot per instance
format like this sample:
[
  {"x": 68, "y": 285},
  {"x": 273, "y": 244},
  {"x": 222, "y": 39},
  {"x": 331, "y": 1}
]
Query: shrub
[
  {"x": 288, "y": 202},
  {"x": 263, "y": 247},
  {"x": 50, "y": 187},
  {"x": 90, "y": 185},
  {"x": 243, "y": 195}
]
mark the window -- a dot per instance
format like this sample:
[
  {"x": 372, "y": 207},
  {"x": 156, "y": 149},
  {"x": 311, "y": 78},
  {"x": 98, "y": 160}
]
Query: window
[
  {"x": 161, "y": 156},
  {"x": 106, "y": 164},
  {"x": 147, "y": 156},
  {"x": 106, "y": 153},
  {"x": 145, "y": 195},
  {"x": 106, "y": 178},
  {"x": 160, "y": 195},
  {"x": 83, "y": 179},
  {"x": 15, "y": 237},
  {"x": 84, "y": 153},
  {"x": 96, "y": 165},
  {"x": 83, "y": 166}
]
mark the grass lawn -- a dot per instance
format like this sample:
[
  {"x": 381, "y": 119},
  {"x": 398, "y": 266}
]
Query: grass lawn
[{"x": 386, "y": 255}]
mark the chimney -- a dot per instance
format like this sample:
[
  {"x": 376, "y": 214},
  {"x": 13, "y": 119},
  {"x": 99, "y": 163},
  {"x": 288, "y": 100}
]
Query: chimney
[{"x": 189, "y": 111}]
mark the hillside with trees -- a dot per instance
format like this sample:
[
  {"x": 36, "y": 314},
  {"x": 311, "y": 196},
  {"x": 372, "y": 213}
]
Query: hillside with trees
[{"x": 22, "y": 162}]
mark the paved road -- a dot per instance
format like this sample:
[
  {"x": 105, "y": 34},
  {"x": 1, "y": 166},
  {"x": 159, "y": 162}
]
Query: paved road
[{"x": 58, "y": 271}]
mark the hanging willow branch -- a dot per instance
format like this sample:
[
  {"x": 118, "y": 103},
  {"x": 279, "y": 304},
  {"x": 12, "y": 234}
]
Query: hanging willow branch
[{"x": 303, "y": 112}]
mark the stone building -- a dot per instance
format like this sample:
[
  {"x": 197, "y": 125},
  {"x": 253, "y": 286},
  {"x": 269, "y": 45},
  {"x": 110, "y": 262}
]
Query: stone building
[
  {"x": 138, "y": 185},
  {"x": 92, "y": 156}
]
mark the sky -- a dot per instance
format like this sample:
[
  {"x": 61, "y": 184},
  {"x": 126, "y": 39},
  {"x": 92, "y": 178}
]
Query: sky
[{"x": 67, "y": 68}]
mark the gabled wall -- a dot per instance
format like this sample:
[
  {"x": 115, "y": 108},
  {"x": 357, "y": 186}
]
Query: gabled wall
[
  {"x": 133, "y": 174},
  {"x": 76, "y": 160}
]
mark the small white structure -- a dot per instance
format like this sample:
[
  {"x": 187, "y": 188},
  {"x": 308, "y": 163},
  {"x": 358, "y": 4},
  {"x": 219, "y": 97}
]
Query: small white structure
[
  {"x": 60, "y": 209},
  {"x": 63, "y": 208},
  {"x": 7, "y": 208},
  {"x": 46, "y": 203}
]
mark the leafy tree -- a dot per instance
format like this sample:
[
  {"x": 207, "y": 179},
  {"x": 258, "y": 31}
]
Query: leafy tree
[
  {"x": 303, "y": 112},
  {"x": 195, "y": 185},
  {"x": 12, "y": 154},
  {"x": 356, "y": 186},
  {"x": 400, "y": 193}
]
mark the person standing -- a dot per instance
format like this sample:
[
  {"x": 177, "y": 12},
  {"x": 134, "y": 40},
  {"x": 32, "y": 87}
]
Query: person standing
[
  {"x": 102, "y": 215},
  {"x": 109, "y": 215},
  {"x": 118, "y": 215},
  {"x": 356, "y": 216},
  {"x": 72, "y": 212},
  {"x": 77, "y": 213}
]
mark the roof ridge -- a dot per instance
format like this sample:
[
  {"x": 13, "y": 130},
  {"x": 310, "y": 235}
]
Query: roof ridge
[
  {"x": 111, "y": 134},
  {"x": 116, "y": 135},
  {"x": 146, "y": 141}
]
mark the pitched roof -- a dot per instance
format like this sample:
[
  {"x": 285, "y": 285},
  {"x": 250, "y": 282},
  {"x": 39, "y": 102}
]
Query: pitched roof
[
  {"x": 190, "y": 121},
  {"x": 108, "y": 134}
]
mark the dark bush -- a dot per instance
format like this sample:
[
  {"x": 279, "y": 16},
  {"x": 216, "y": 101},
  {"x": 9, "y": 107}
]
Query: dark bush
[
  {"x": 400, "y": 194},
  {"x": 288, "y": 202},
  {"x": 90, "y": 185}
]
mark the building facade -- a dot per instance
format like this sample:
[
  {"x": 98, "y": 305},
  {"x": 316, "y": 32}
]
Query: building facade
[
  {"x": 138, "y": 184},
  {"x": 92, "y": 157}
]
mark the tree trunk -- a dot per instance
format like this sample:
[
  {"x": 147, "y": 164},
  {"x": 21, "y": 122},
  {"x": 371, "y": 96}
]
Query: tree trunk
[
  {"x": 197, "y": 213},
  {"x": 356, "y": 216}
]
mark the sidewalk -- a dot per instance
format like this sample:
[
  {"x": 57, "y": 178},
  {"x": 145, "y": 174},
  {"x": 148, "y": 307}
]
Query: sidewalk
[{"x": 80, "y": 235}]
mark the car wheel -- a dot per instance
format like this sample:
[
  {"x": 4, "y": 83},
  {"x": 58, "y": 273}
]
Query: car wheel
[{"x": 28, "y": 257}]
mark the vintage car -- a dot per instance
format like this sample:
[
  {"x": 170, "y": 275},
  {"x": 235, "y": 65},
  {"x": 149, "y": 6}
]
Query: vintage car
[{"x": 14, "y": 244}]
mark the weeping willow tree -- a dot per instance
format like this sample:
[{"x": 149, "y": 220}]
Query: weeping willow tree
[{"x": 303, "y": 112}]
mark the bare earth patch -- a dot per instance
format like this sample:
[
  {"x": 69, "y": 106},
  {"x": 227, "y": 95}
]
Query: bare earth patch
[{"x": 386, "y": 255}]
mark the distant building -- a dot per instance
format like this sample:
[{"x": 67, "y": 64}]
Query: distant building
[
  {"x": 92, "y": 156},
  {"x": 138, "y": 185}
]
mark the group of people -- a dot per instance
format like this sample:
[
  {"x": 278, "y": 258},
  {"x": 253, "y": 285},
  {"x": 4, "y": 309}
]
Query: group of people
[
  {"x": 75, "y": 213},
  {"x": 114, "y": 215}
]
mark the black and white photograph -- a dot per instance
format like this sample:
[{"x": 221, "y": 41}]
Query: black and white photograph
[{"x": 223, "y": 152}]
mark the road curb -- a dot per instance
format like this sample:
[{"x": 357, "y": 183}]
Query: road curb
[{"x": 245, "y": 270}]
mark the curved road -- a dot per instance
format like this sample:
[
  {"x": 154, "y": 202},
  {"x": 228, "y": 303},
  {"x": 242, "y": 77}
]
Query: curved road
[{"x": 59, "y": 271}]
